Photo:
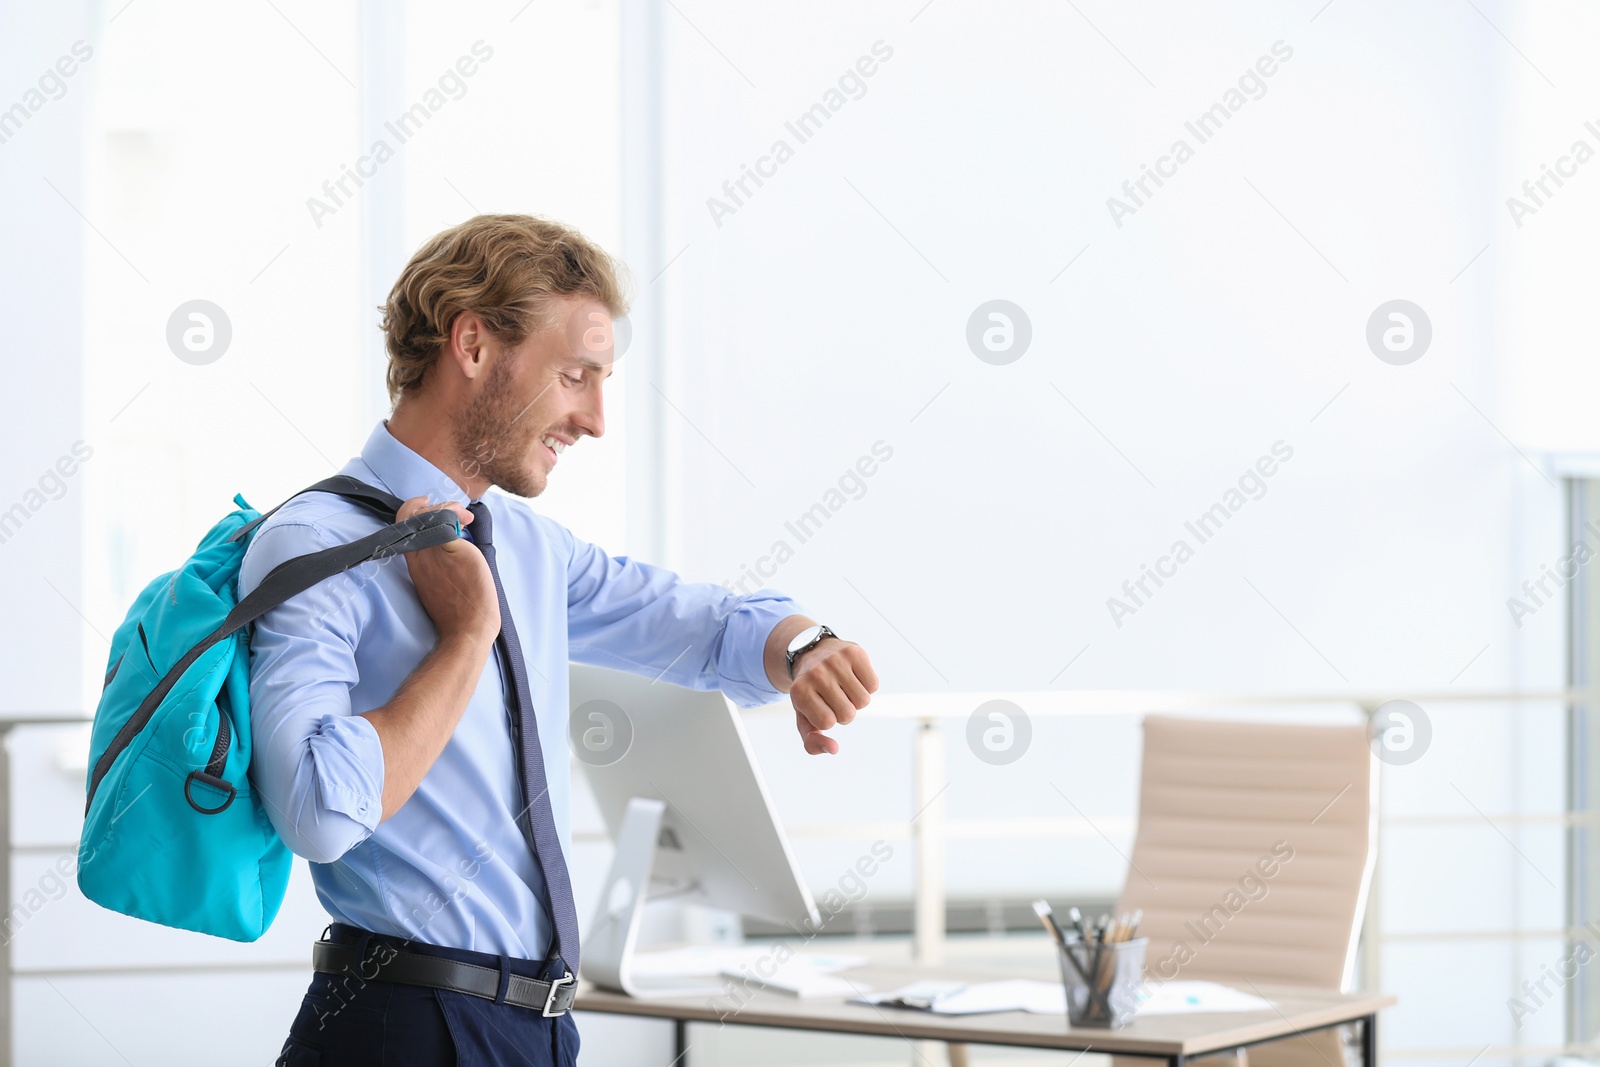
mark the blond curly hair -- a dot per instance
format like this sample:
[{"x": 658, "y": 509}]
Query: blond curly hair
[{"x": 504, "y": 269}]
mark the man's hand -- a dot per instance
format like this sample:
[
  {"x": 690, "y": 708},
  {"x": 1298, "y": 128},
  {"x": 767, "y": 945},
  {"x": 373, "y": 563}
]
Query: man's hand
[
  {"x": 453, "y": 582},
  {"x": 832, "y": 681}
]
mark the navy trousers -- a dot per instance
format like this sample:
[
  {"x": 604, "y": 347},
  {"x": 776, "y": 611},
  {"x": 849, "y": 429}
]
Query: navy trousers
[{"x": 346, "y": 1019}]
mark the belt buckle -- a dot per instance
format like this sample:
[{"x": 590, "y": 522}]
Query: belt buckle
[{"x": 550, "y": 1009}]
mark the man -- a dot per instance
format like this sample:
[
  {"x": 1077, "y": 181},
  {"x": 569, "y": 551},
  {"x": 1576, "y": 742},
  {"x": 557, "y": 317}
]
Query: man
[{"x": 410, "y": 722}]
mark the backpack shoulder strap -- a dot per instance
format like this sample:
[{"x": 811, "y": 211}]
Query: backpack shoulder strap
[{"x": 383, "y": 505}]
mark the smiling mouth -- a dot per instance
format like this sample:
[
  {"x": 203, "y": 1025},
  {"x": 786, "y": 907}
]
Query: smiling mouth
[{"x": 553, "y": 447}]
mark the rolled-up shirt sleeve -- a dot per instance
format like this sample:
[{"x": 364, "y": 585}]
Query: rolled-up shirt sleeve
[
  {"x": 316, "y": 764},
  {"x": 636, "y": 617}
]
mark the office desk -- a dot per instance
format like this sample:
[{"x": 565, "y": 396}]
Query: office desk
[{"x": 1168, "y": 1037}]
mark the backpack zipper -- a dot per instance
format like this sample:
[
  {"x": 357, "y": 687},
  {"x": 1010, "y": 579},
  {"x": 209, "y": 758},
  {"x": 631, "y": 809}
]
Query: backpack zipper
[
  {"x": 219, "y": 751},
  {"x": 145, "y": 642}
]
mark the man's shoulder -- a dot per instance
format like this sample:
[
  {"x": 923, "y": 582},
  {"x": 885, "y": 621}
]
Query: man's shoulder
[{"x": 306, "y": 523}]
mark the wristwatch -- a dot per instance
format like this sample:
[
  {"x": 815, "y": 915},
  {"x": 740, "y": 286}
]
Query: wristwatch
[{"x": 805, "y": 640}]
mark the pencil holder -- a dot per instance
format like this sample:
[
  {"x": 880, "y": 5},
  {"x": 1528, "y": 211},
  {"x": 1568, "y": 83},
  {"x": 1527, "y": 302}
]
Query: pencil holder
[{"x": 1102, "y": 981}]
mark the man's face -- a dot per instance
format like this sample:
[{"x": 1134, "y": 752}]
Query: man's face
[{"x": 544, "y": 392}]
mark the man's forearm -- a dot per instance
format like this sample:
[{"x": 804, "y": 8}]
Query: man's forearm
[{"x": 416, "y": 724}]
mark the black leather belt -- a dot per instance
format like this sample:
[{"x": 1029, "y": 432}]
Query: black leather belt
[{"x": 385, "y": 963}]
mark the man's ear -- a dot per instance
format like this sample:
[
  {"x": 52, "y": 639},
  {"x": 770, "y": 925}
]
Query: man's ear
[{"x": 467, "y": 348}]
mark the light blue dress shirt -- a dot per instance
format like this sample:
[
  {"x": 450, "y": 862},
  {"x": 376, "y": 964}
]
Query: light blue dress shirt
[{"x": 452, "y": 866}]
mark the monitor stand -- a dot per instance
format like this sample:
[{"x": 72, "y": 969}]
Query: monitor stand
[{"x": 608, "y": 949}]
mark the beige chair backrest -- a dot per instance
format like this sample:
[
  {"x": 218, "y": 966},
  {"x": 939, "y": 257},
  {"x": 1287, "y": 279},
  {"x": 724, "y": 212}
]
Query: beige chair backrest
[{"x": 1254, "y": 851}]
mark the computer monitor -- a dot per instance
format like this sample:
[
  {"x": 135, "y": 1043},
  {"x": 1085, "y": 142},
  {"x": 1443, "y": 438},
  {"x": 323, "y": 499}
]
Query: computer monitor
[{"x": 688, "y": 809}]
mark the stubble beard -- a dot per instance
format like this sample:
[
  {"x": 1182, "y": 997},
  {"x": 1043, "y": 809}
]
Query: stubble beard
[{"x": 493, "y": 440}]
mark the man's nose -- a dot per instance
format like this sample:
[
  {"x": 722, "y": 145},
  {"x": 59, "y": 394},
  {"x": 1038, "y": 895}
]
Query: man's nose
[{"x": 592, "y": 416}]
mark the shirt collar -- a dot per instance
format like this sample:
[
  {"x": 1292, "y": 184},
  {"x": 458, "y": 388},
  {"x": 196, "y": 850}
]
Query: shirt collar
[{"x": 404, "y": 472}]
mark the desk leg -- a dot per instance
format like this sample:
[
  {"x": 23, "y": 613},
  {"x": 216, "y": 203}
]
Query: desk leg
[
  {"x": 1369, "y": 1041},
  {"x": 680, "y": 1043},
  {"x": 1176, "y": 1061}
]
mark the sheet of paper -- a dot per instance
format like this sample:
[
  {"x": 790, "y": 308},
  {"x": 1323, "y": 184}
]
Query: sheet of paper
[
  {"x": 1184, "y": 998},
  {"x": 957, "y": 998},
  {"x": 916, "y": 995},
  {"x": 1017, "y": 994}
]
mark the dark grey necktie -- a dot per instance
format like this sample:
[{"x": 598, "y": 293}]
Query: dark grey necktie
[{"x": 541, "y": 825}]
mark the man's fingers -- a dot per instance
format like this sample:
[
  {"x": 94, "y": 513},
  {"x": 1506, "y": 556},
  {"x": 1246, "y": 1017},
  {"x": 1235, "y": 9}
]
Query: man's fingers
[
  {"x": 864, "y": 671},
  {"x": 856, "y": 693},
  {"x": 838, "y": 706},
  {"x": 852, "y": 670},
  {"x": 814, "y": 707},
  {"x": 418, "y": 504},
  {"x": 838, "y": 703},
  {"x": 815, "y": 741},
  {"x": 411, "y": 507}
]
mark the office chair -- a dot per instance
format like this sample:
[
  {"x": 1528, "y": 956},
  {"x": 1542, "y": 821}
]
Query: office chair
[{"x": 1222, "y": 804}]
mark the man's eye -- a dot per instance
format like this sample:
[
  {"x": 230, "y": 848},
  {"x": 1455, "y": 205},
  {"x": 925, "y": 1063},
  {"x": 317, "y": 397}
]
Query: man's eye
[{"x": 574, "y": 381}]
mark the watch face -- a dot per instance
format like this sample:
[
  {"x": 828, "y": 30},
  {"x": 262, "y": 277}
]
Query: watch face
[{"x": 804, "y": 638}]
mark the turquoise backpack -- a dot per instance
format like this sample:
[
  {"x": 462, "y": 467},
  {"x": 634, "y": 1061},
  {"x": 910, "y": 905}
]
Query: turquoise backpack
[{"x": 173, "y": 831}]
